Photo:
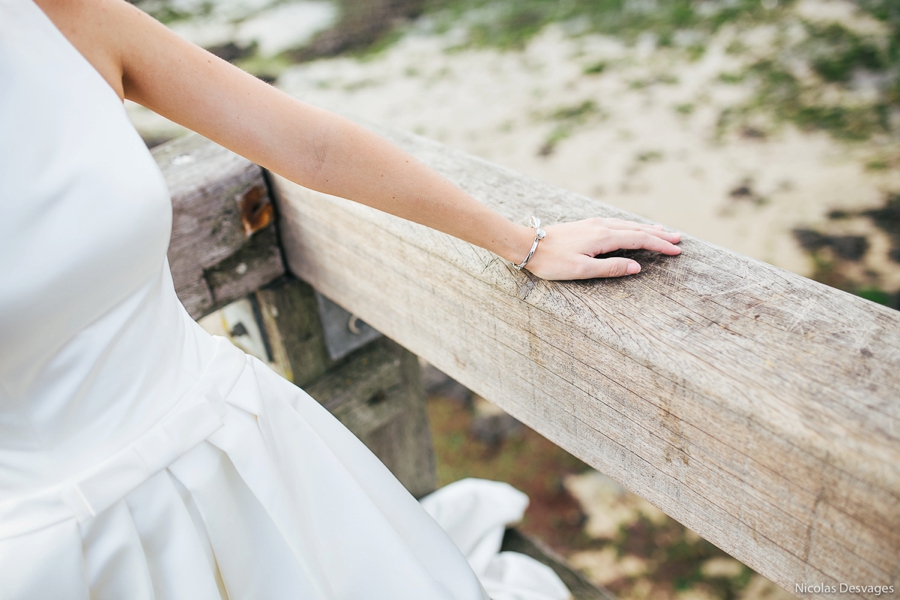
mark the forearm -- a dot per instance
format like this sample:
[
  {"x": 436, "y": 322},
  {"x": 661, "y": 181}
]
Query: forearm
[
  {"x": 307, "y": 145},
  {"x": 355, "y": 163}
]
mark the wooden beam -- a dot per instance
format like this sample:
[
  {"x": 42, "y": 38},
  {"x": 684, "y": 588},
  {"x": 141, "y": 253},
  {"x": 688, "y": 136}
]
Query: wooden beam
[
  {"x": 224, "y": 244},
  {"x": 755, "y": 406}
]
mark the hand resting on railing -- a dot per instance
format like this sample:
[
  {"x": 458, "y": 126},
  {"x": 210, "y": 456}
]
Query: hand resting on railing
[{"x": 568, "y": 250}]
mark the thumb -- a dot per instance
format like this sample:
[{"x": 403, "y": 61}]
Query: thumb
[{"x": 609, "y": 267}]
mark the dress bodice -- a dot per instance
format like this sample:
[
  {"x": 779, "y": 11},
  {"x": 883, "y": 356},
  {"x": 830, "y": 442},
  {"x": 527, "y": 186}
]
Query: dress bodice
[{"x": 90, "y": 328}]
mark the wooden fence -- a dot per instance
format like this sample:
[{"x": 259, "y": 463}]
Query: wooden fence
[{"x": 756, "y": 407}]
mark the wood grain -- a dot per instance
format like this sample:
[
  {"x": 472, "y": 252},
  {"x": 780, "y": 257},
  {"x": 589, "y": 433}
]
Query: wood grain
[
  {"x": 224, "y": 244},
  {"x": 757, "y": 407}
]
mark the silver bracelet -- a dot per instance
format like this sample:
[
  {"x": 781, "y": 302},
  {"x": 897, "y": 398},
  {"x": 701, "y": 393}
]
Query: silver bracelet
[{"x": 538, "y": 236}]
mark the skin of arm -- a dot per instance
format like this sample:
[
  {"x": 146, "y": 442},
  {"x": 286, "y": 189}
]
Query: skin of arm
[{"x": 145, "y": 62}]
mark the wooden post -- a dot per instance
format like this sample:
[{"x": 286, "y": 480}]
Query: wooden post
[
  {"x": 404, "y": 443},
  {"x": 294, "y": 333}
]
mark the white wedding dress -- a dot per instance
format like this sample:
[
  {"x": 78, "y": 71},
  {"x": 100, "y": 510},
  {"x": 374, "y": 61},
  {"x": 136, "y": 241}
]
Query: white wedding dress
[{"x": 140, "y": 457}]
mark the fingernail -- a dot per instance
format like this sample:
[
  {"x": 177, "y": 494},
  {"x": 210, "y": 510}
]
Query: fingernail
[{"x": 633, "y": 268}]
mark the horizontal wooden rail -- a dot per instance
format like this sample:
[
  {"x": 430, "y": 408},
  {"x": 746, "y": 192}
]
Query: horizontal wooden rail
[{"x": 756, "y": 407}]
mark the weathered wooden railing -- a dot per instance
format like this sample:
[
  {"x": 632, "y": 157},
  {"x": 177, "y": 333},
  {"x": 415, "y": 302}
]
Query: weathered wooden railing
[{"x": 757, "y": 407}]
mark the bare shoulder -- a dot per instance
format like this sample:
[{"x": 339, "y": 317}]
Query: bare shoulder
[{"x": 98, "y": 29}]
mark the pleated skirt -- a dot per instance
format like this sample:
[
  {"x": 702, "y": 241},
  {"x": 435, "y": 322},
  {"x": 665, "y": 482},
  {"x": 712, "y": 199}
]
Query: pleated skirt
[{"x": 247, "y": 489}]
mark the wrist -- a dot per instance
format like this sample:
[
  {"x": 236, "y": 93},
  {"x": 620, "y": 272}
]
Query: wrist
[
  {"x": 514, "y": 242},
  {"x": 496, "y": 233}
]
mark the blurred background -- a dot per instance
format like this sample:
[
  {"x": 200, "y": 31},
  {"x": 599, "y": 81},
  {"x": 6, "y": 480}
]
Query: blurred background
[{"x": 771, "y": 127}]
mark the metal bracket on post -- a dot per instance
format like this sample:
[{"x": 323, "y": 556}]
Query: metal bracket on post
[{"x": 344, "y": 331}]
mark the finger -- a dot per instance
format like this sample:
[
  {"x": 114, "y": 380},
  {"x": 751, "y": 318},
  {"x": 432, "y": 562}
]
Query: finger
[
  {"x": 673, "y": 237},
  {"x": 623, "y": 224},
  {"x": 635, "y": 240},
  {"x": 657, "y": 230},
  {"x": 608, "y": 267}
]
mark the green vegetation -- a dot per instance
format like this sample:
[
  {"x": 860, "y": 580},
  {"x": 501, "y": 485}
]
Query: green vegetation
[
  {"x": 831, "y": 254},
  {"x": 596, "y": 68},
  {"x": 165, "y": 12},
  {"x": 567, "y": 119},
  {"x": 512, "y": 23},
  {"x": 876, "y": 295},
  {"x": 649, "y": 156},
  {"x": 840, "y": 59},
  {"x": 695, "y": 52},
  {"x": 836, "y": 53},
  {"x": 732, "y": 78},
  {"x": 664, "y": 78},
  {"x": 877, "y": 164},
  {"x": 780, "y": 93},
  {"x": 674, "y": 558},
  {"x": 577, "y": 113}
]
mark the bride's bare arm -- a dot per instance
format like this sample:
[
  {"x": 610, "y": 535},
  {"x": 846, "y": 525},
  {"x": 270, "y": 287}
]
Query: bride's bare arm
[{"x": 145, "y": 62}]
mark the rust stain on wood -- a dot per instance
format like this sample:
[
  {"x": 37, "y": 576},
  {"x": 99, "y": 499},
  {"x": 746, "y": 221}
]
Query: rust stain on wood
[{"x": 256, "y": 210}]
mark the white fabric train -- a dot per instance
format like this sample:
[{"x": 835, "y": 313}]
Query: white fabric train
[{"x": 475, "y": 514}]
